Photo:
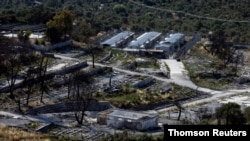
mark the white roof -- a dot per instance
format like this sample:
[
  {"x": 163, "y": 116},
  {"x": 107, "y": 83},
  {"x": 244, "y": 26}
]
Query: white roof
[
  {"x": 118, "y": 38},
  {"x": 144, "y": 38},
  {"x": 130, "y": 114}
]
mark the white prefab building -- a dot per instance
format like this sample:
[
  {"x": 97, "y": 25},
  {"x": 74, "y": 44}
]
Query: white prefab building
[
  {"x": 168, "y": 49},
  {"x": 165, "y": 47},
  {"x": 119, "y": 119},
  {"x": 119, "y": 40},
  {"x": 171, "y": 43},
  {"x": 175, "y": 39},
  {"x": 144, "y": 41}
]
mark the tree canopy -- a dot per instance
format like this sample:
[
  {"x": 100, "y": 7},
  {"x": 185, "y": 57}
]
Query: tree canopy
[
  {"x": 220, "y": 48},
  {"x": 247, "y": 114},
  {"x": 23, "y": 36},
  {"x": 166, "y": 15},
  {"x": 230, "y": 114},
  {"x": 60, "y": 26}
]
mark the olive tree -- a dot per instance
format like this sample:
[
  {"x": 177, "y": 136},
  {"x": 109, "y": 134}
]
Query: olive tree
[{"x": 229, "y": 114}]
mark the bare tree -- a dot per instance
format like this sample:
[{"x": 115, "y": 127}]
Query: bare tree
[
  {"x": 13, "y": 67},
  {"x": 180, "y": 108},
  {"x": 43, "y": 64},
  {"x": 82, "y": 94},
  {"x": 94, "y": 50},
  {"x": 68, "y": 83},
  {"x": 13, "y": 57},
  {"x": 178, "y": 104},
  {"x": 29, "y": 82},
  {"x": 110, "y": 80}
]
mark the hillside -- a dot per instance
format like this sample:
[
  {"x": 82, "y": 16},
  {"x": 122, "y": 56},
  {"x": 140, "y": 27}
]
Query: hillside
[{"x": 187, "y": 16}]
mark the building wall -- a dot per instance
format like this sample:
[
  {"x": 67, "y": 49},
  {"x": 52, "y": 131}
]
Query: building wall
[
  {"x": 170, "y": 49},
  {"x": 143, "y": 83},
  {"x": 101, "y": 119},
  {"x": 120, "y": 123},
  {"x": 115, "y": 122},
  {"x": 148, "y": 124}
]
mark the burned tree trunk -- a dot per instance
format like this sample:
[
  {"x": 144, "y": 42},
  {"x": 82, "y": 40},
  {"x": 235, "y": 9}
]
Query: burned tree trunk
[
  {"x": 13, "y": 56},
  {"x": 29, "y": 83},
  {"x": 83, "y": 88},
  {"x": 94, "y": 50},
  {"x": 12, "y": 69},
  {"x": 43, "y": 64},
  {"x": 110, "y": 77},
  {"x": 93, "y": 60},
  {"x": 180, "y": 108}
]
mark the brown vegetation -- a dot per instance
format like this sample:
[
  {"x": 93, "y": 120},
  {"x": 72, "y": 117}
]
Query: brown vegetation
[{"x": 14, "y": 134}]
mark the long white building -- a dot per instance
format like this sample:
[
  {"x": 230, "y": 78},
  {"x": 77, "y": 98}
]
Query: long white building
[
  {"x": 171, "y": 43},
  {"x": 175, "y": 39},
  {"x": 144, "y": 41},
  {"x": 119, "y": 40}
]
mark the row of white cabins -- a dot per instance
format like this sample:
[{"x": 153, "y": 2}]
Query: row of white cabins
[
  {"x": 153, "y": 42},
  {"x": 148, "y": 41}
]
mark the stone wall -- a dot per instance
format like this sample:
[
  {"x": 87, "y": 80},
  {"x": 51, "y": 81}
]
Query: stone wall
[
  {"x": 143, "y": 83},
  {"x": 134, "y": 64},
  {"x": 52, "y": 47},
  {"x": 72, "y": 106},
  {"x": 92, "y": 72},
  {"x": 131, "y": 66},
  {"x": 196, "y": 38},
  {"x": 106, "y": 58},
  {"x": 50, "y": 75}
]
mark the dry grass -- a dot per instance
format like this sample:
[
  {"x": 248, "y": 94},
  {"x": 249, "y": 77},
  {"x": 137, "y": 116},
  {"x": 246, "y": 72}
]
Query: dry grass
[
  {"x": 14, "y": 134},
  {"x": 75, "y": 43},
  {"x": 200, "y": 61}
]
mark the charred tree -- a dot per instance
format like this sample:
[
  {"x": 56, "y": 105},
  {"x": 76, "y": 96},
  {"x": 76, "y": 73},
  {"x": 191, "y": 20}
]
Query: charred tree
[
  {"x": 13, "y": 56},
  {"x": 83, "y": 87},
  {"x": 43, "y": 65},
  {"x": 94, "y": 50},
  {"x": 180, "y": 108},
  {"x": 29, "y": 82}
]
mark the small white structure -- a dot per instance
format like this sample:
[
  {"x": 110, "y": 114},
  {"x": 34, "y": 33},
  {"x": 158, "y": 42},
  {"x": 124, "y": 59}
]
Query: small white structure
[
  {"x": 32, "y": 35},
  {"x": 119, "y": 119}
]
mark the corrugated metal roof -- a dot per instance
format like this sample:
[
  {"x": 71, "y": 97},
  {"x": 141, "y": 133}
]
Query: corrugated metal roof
[
  {"x": 163, "y": 45},
  {"x": 118, "y": 38},
  {"x": 143, "y": 39},
  {"x": 174, "y": 38}
]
